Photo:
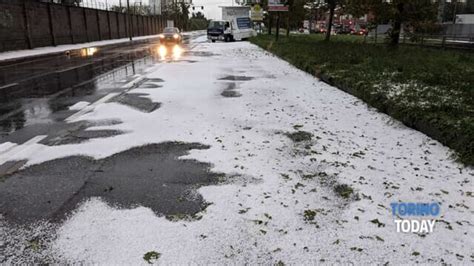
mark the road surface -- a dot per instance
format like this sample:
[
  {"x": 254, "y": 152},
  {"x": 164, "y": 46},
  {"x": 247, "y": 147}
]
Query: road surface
[{"x": 224, "y": 155}]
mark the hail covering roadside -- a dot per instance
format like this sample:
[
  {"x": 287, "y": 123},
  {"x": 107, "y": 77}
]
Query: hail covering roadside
[{"x": 263, "y": 220}]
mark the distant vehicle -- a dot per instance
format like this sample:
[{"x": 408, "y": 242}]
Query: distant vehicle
[
  {"x": 219, "y": 30},
  {"x": 342, "y": 30},
  {"x": 303, "y": 30},
  {"x": 171, "y": 35},
  {"x": 321, "y": 30},
  {"x": 235, "y": 25},
  {"x": 360, "y": 31}
]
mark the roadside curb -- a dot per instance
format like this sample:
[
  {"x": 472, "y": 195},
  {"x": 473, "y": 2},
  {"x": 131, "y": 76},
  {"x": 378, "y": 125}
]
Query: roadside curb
[
  {"x": 142, "y": 39},
  {"x": 85, "y": 45}
]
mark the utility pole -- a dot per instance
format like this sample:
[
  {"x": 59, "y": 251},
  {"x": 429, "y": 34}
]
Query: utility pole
[
  {"x": 129, "y": 20},
  {"x": 277, "y": 34}
]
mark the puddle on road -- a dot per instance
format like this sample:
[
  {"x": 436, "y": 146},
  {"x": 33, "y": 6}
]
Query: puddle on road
[
  {"x": 46, "y": 95},
  {"x": 137, "y": 101},
  {"x": 201, "y": 53},
  {"x": 236, "y": 78},
  {"x": 230, "y": 91},
  {"x": 61, "y": 133},
  {"x": 81, "y": 136},
  {"x": 149, "y": 86},
  {"x": 154, "y": 80},
  {"x": 150, "y": 176}
]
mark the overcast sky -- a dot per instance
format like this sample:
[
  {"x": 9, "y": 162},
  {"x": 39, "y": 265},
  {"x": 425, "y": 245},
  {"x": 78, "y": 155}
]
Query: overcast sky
[{"x": 211, "y": 7}]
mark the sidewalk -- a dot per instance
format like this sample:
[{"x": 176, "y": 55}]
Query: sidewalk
[{"x": 12, "y": 55}]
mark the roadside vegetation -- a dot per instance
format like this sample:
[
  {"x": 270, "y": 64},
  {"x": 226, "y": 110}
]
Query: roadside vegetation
[{"x": 431, "y": 90}]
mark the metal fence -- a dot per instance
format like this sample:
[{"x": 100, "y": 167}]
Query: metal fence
[
  {"x": 437, "y": 40},
  {"x": 451, "y": 36},
  {"x": 105, "y": 5},
  {"x": 34, "y": 24}
]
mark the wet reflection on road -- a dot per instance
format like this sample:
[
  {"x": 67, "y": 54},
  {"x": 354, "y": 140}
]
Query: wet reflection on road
[{"x": 41, "y": 90}]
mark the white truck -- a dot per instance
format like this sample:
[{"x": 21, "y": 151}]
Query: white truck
[{"x": 235, "y": 25}]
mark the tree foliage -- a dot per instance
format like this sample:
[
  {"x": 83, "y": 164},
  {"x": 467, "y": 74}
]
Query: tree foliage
[
  {"x": 415, "y": 15},
  {"x": 198, "y": 21}
]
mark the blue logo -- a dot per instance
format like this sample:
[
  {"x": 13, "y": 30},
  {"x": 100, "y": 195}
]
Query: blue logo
[
  {"x": 415, "y": 209},
  {"x": 416, "y": 217}
]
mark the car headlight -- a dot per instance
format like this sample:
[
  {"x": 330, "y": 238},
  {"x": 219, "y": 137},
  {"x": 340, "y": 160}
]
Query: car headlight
[
  {"x": 177, "y": 51},
  {"x": 162, "y": 51},
  {"x": 161, "y": 36},
  {"x": 176, "y": 36}
]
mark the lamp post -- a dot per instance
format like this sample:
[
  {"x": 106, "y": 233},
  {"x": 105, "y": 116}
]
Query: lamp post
[{"x": 129, "y": 20}]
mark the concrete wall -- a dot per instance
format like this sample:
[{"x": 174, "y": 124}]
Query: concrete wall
[{"x": 28, "y": 24}]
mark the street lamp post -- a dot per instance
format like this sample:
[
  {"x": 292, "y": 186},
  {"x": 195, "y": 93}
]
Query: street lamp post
[{"x": 129, "y": 20}]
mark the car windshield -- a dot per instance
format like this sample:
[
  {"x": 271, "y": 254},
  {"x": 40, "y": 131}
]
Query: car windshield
[
  {"x": 216, "y": 24},
  {"x": 170, "y": 30}
]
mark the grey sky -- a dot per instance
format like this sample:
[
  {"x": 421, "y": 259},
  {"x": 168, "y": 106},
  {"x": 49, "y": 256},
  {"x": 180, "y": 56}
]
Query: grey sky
[{"x": 211, "y": 7}]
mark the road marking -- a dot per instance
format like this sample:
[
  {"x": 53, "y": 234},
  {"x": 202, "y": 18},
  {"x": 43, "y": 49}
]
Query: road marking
[
  {"x": 8, "y": 86},
  {"x": 28, "y": 146},
  {"x": 91, "y": 106},
  {"x": 132, "y": 83},
  {"x": 13, "y": 145}
]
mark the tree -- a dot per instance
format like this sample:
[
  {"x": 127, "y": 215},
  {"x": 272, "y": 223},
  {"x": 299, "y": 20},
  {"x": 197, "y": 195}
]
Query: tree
[
  {"x": 134, "y": 10},
  {"x": 332, "y": 4},
  {"x": 414, "y": 15},
  {"x": 198, "y": 21},
  {"x": 378, "y": 11},
  {"x": 179, "y": 11},
  {"x": 198, "y": 15},
  {"x": 297, "y": 12}
]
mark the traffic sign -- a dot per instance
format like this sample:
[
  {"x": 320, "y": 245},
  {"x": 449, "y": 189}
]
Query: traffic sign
[{"x": 277, "y": 5}]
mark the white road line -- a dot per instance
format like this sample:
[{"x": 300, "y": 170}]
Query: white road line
[
  {"x": 9, "y": 148},
  {"x": 92, "y": 106},
  {"x": 8, "y": 86},
  {"x": 133, "y": 82},
  {"x": 27, "y": 147}
]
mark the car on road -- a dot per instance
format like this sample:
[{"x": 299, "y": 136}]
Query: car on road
[
  {"x": 170, "y": 36},
  {"x": 340, "y": 29},
  {"x": 361, "y": 31}
]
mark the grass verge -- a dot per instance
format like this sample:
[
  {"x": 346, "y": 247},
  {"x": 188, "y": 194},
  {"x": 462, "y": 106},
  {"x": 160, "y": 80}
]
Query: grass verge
[{"x": 430, "y": 90}]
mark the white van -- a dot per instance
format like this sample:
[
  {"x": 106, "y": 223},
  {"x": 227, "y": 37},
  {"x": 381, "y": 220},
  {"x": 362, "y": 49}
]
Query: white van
[{"x": 235, "y": 25}]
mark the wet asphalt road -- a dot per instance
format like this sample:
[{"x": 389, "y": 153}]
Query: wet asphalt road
[
  {"x": 40, "y": 90},
  {"x": 35, "y": 97}
]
